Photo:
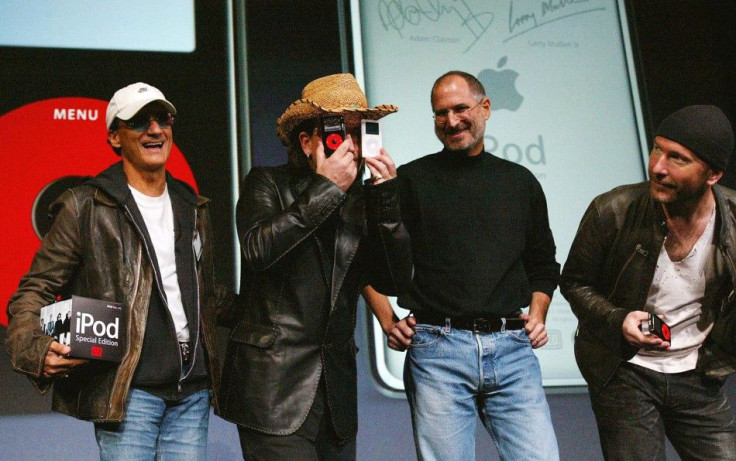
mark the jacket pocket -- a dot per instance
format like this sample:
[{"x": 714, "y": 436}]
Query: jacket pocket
[
  {"x": 595, "y": 361},
  {"x": 255, "y": 335}
]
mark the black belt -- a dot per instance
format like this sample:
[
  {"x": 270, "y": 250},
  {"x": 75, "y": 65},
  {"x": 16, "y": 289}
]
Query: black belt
[{"x": 476, "y": 325}]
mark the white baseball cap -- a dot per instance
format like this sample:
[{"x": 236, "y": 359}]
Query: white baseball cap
[{"x": 126, "y": 102}]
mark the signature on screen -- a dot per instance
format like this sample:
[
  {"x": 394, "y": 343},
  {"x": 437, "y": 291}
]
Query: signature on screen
[{"x": 403, "y": 15}]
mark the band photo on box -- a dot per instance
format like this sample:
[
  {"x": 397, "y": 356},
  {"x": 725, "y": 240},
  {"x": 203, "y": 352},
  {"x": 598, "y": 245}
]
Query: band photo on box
[{"x": 93, "y": 328}]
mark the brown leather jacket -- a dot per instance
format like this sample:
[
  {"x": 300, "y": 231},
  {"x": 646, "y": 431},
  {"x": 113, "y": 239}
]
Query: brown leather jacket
[
  {"x": 94, "y": 249},
  {"x": 299, "y": 294},
  {"x": 610, "y": 268}
]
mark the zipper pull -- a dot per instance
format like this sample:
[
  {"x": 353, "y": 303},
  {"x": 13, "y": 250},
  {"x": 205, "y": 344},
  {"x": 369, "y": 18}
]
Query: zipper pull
[{"x": 197, "y": 245}]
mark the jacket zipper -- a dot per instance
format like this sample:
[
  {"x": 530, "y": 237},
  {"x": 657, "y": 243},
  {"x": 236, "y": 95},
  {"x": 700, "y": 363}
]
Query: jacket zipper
[
  {"x": 197, "y": 298},
  {"x": 731, "y": 295},
  {"x": 637, "y": 250},
  {"x": 158, "y": 285}
]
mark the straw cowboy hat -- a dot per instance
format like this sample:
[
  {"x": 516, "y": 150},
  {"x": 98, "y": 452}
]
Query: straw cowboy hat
[{"x": 336, "y": 94}]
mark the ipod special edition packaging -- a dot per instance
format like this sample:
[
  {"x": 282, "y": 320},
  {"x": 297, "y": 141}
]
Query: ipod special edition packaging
[{"x": 93, "y": 328}]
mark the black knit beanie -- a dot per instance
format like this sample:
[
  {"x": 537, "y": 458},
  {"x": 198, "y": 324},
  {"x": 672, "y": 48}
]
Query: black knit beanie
[{"x": 703, "y": 129}]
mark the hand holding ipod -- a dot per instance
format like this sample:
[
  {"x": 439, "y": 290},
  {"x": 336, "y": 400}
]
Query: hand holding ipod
[
  {"x": 333, "y": 133},
  {"x": 633, "y": 333},
  {"x": 335, "y": 157},
  {"x": 656, "y": 326},
  {"x": 379, "y": 163}
]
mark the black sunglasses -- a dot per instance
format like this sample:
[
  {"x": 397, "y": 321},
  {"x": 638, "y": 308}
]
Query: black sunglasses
[{"x": 141, "y": 123}]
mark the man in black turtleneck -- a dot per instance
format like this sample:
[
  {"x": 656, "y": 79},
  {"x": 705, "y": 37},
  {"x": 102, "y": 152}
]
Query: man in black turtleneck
[{"x": 483, "y": 251}]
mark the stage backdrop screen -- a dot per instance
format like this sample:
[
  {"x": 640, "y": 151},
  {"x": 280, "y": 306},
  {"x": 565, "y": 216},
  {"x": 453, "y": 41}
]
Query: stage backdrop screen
[
  {"x": 565, "y": 105},
  {"x": 135, "y": 25}
]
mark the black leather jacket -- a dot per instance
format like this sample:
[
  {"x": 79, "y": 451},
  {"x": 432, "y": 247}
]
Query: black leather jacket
[
  {"x": 609, "y": 271},
  {"x": 94, "y": 249},
  {"x": 299, "y": 293}
]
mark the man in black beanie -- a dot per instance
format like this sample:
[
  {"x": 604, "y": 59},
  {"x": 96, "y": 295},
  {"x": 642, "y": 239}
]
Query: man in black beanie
[{"x": 651, "y": 278}]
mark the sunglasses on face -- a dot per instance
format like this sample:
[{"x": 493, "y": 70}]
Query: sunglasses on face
[{"x": 140, "y": 123}]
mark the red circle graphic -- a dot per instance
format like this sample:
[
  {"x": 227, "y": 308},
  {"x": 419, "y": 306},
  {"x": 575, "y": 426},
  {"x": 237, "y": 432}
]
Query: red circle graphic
[{"x": 333, "y": 141}]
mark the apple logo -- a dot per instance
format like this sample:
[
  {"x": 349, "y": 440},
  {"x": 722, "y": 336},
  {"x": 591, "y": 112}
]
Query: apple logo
[{"x": 500, "y": 87}]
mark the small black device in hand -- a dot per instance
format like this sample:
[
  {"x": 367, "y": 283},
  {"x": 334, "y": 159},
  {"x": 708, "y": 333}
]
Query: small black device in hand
[
  {"x": 656, "y": 326},
  {"x": 333, "y": 133}
]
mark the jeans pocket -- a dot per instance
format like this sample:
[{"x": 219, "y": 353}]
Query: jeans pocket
[
  {"x": 425, "y": 336},
  {"x": 715, "y": 382},
  {"x": 519, "y": 335}
]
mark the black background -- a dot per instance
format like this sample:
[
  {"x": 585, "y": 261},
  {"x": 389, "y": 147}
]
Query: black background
[{"x": 686, "y": 55}]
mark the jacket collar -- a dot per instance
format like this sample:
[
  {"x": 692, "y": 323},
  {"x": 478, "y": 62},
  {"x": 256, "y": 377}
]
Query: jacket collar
[
  {"x": 114, "y": 183},
  {"x": 725, "y": 210}
]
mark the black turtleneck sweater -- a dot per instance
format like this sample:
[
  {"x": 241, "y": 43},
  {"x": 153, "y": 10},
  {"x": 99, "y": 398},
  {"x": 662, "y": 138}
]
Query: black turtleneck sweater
[{"x": 480, "y": 235}]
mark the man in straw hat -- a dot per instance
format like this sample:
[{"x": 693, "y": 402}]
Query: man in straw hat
[
  {"x": 312, "y": 237},
  {"x": 484, "y": 251},
  {"x": 661, "y": 249}
]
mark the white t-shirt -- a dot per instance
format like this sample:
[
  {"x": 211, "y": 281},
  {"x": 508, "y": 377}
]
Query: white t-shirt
[
  {"x": 159, "y": 218},
  {"x": 677, "y": 294}
]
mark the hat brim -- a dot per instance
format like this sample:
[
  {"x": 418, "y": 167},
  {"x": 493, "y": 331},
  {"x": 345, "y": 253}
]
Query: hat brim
[
  {"x": 305, "y": 109},
  {"x": 134, "y": 108}
]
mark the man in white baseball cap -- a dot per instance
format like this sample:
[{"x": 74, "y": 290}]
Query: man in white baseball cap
[
  {"x": 134, "y": 235},
  {"x": 126, "y": 102}
]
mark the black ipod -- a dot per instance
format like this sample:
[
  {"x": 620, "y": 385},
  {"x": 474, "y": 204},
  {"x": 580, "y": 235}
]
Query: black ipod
[
  {"x": 333, "y": 133},
  {"x": 657, "y": 327}
]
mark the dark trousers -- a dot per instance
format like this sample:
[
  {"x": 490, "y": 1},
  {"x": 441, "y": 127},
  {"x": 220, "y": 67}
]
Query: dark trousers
[
  {"x": 258, "y": 446},
  {"x": 639, "y": 407}
]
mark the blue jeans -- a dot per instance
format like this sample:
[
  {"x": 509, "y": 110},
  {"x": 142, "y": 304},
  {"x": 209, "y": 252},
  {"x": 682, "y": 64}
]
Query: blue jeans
[
  {"x": 638, "y": 407},
  {"x": 452, "y": 376},
  {"x": 158, "y": 429}
]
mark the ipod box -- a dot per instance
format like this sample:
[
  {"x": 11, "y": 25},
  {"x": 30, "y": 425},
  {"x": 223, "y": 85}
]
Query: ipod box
[{"x": 93, "y": 328}]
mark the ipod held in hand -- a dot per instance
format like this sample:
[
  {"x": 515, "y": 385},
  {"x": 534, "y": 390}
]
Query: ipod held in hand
[
  {"x": 370, "y": 136},
  {"x": 333, "y": 133},
  {"x": 656, "y": 326}
]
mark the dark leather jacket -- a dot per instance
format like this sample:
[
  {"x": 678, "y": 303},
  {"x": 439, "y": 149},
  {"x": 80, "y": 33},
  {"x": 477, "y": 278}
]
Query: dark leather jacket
[
  {"x": 299, "y": 293},
  {"x": 609, "y": 271},
  {"x": 94, "y": 249}
]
